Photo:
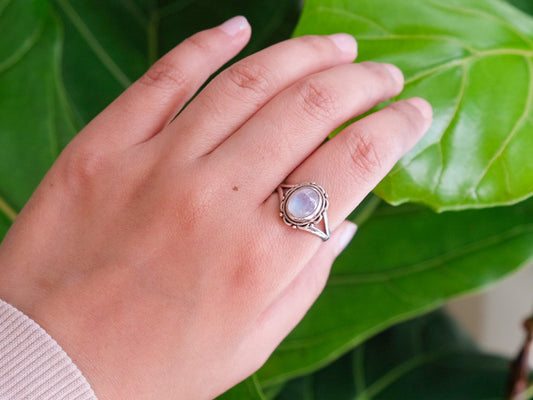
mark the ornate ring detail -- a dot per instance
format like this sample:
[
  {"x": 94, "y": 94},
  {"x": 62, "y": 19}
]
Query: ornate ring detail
[{"x": 304, "y": 206}]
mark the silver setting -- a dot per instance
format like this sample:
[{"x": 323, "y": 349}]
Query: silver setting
[{"x": 309, "y": 222}]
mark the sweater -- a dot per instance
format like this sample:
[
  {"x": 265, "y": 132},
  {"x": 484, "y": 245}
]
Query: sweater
[{"x": 32, "y": 365}]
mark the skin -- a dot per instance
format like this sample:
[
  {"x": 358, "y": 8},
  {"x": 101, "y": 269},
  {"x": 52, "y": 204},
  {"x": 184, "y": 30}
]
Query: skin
[{"x": 153, "y": 251}]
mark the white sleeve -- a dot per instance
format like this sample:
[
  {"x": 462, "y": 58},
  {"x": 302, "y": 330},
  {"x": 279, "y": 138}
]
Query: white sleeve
[{"x": 32, "y": 365}]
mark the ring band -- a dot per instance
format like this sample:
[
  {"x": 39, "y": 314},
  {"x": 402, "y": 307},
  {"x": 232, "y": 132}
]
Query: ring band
[{"x": 303, "y": 206}]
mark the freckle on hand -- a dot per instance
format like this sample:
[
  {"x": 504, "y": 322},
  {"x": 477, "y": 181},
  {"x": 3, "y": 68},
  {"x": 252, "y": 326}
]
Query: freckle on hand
[{"x": 235, "y": 188}]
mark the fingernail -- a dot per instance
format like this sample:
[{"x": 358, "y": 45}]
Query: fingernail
[
  {"x": 423, "y": 106},
  {"x": 344, "y": 42},
  {"x": 395, "y": 72},
  {"x": 234, "y": 25},
  {"x": 346, "y": 236}
]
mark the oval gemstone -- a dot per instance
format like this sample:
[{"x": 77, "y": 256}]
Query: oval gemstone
[{"x": 303, "y": 203}]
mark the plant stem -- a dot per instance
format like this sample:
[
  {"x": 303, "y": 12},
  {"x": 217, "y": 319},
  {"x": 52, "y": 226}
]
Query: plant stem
[
  {"x": 520, "y": 372},
  {"x": 528, "y": 394},
  {"x": 94, "y": 44}
]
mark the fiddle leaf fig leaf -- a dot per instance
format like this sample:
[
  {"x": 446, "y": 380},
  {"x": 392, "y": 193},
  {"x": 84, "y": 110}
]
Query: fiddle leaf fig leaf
[
  {"x": 427, "y": 358},
  {"x": 110, "y": 44},
  {"x": 403, "y": 262},
  {"x": 473, "y": 60}
]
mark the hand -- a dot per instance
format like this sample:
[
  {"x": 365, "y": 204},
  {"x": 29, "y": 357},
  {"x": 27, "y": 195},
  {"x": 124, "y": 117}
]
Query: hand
[{"x": 153, "y": 250}]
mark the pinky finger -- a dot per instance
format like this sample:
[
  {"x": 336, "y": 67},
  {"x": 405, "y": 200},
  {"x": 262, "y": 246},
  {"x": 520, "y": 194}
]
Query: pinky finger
[
  {"x": 154, "y": 99},
  {"x": 289, "y": 308}
]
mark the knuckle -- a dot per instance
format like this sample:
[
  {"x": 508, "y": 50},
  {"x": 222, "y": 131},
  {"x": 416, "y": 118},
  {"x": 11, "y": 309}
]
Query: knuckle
[
  {"x": 250, "y": 77},
  {"x": 383, "y": 75},
  {"x": 246, "y": 276},
  {"x": 365, "y": 157},
  {"x": 83, "y": 167},
  {"x": 317, "y": 99},
  {"x": 164, "y": 75},
  {"x": 251, "y": 274},
  {"x": 200, "y": 42},
  {"x": 407, "y": 115},
  {"x": 318, "y": 44},
  {"x": 192, "y": 211},
  {"x": 377, "y": 69}
]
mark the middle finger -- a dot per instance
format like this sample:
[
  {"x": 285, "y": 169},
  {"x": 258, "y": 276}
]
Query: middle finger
[
  {"x": 238, "y": 92},
  {"x": 286, "y": 130}
]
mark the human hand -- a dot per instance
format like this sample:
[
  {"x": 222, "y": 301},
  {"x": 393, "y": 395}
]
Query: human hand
[{"x": 153, "y": 251}]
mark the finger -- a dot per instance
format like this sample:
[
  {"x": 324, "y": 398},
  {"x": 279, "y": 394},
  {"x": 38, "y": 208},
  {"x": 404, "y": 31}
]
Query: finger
[
  {"x": 153, "y": 100},
  {"x": 282, "y": 134},
  {"x": 238, "y": 92},
  {"x": 350, "y": 165},
  {"x": 286, "y": 311}
]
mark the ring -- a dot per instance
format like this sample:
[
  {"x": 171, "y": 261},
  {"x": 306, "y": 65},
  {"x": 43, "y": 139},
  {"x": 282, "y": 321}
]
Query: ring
[{"x": 303, "y": 206}]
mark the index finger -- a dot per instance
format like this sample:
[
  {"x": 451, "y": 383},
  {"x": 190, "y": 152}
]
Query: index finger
[{"x": 240, "y": 91}]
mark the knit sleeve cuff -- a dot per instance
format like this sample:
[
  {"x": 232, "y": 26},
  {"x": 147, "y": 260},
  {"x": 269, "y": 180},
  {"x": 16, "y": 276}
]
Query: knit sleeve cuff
[{"x": 33, "y": 365}]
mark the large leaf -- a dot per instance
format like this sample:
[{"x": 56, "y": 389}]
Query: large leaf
[
  {"x": 103, "y": 53},
  {"x": 403, "y": 262},
  {"x": 109, "y": 44},
  {"x": 427, "y": 358},
  {"x": 34, "y": 119},
  {"x": 473, "y": 60}
]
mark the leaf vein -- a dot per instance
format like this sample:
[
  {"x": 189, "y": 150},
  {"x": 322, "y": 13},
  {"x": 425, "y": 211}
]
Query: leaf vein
[
  {"x": 519, "y": 123},
  {"x": 421, "y": 37},
  {"x": 24, "y": 49},
  {"x": 353, "y": 16},
  {"x": 401, "y": 370},
  {"x": 7, "y": 209},
  {"x": 173, "y": 8},
  {"x": 53, "y": 129},
  {"x": 135, "y": 11},
  {"x": 479, "y": 13},
  {"x": 460, "y": 98},
  {"x": 94, "y": 44},
  {"x": 358, "y": 365},
  {"x": 433, "y": 262},
  {"x": 4, "y": 6}
]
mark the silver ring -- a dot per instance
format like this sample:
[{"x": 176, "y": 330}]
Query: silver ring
[{"x": 304, "y": 206}]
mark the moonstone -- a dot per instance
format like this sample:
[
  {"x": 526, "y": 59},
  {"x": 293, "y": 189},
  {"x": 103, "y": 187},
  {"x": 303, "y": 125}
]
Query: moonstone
[{"x": 303, "y": 203}]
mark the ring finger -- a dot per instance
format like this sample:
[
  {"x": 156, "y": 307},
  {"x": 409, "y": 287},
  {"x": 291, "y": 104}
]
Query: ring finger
[{"x": 350, "y": 165}]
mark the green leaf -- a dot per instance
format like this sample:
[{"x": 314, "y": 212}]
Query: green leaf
[
  {"x": 249, "y": 389},
  {"x": 110, "y": 44},
  {"x": 473, "y": 60},
  {"x": 50, "y": 89},
  {"x": 403, "y": 262},
  {"x": 428, "y": 358},
  {"x": 34, "y": 119}
]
